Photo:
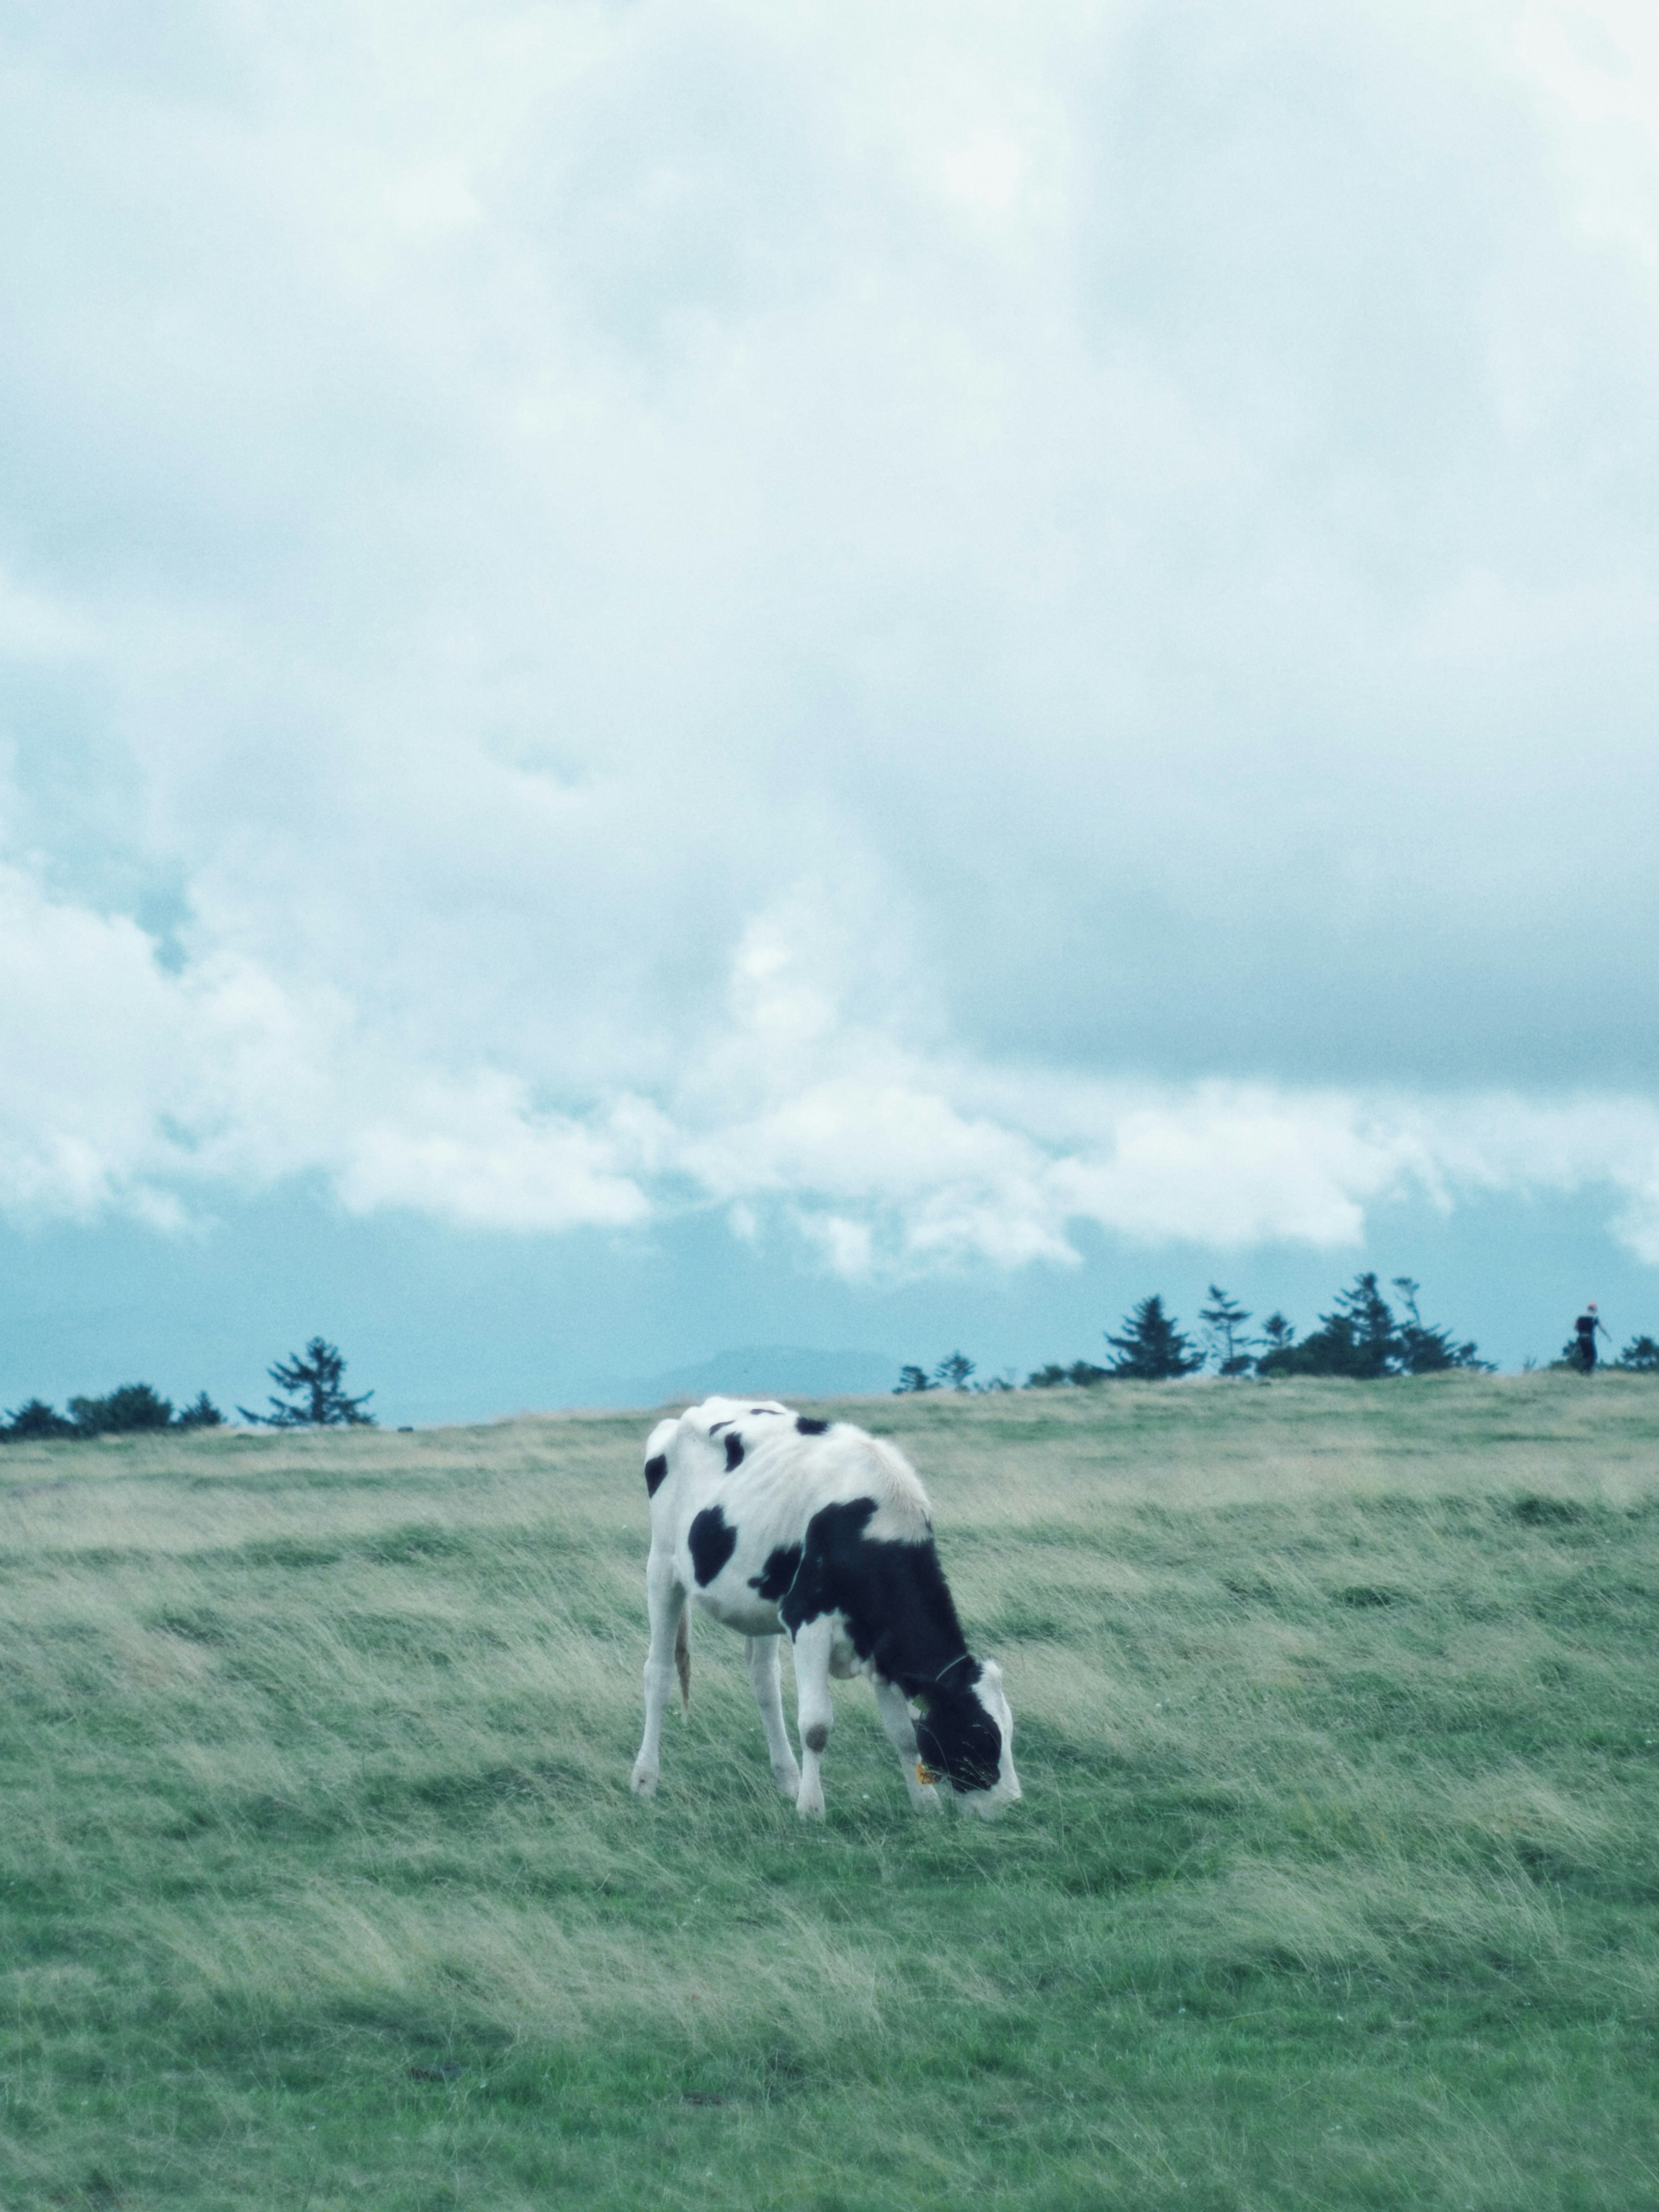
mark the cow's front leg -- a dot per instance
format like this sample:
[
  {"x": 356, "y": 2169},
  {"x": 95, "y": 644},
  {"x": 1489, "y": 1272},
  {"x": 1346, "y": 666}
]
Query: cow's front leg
[
  {"x": 814, "y": 1713},
  {"x": 895, "y": 1712},
  {"x": 762, "y": 1655},
  {"x": 666, "y": 1601}
]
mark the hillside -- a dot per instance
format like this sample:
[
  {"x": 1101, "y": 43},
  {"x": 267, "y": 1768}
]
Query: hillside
[{"x": 1336, "y": 1882}]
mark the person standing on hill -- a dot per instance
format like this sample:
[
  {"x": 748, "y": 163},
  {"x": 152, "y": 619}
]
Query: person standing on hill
[{"x": 1583, "y": 1330}]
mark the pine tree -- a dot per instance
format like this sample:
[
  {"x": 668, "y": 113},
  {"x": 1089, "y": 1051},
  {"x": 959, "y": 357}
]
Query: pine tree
[
  {"x": 1355, "y": 1340},
  {"x": 1364, "y": 1323},
  {"x": 1152, "y": 1348},
  {"x": 953, "y": 1373},
  {"x": 912, "y": 1380},
  {"x": 311, "y": 1381},
  {"x": 1420, "y": 1350},
  {"x": 1225, "y": 1340},
  {"x": 1362, "y": 1340},
  {"x": 1641, "y": 1356},
  {"x": 1278, "y": 1335}
]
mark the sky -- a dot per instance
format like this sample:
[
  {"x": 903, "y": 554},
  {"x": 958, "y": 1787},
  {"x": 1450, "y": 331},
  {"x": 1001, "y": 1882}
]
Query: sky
[{"x": 678, "y": 675}]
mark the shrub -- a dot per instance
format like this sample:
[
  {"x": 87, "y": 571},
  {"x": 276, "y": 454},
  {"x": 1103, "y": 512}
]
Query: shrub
[
  {"x": 35, "y": 1423},
  {"x": 134, "y": 1405}
]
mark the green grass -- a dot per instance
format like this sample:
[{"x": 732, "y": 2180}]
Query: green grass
[{"x": 1336, "y": 1883}]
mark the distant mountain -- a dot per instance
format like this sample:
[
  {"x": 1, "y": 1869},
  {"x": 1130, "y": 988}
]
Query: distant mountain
[{"x": 757, "y": 1371}]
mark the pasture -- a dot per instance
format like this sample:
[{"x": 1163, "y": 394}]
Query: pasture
[{"x": 1336, "y": 1883}]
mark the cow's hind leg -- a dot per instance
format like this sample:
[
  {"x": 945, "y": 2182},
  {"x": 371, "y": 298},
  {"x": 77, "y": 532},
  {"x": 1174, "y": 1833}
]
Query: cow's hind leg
[
  {"x": 895, "y": 1712},
  {"x": 813, "y": 1712},
  {"x": 762, "y": 1656},
  {"x": 667, "y": 1600}
]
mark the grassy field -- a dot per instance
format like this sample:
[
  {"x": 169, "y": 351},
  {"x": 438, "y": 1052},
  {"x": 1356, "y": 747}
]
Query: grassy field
[{"x": 1336, "y": 1883}]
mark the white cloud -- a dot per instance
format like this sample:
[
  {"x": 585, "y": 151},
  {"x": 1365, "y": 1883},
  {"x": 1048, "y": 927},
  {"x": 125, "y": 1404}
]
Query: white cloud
[
  {"x": 925, "y": 628},
  {"x": 132, "y": 1089}
]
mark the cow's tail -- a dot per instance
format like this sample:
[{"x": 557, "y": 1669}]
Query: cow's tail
[{"x": 683, "y": 1658}]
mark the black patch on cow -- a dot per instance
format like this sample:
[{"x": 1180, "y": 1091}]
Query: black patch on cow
[
  {"x": 711, "y": 1544},
  {"x": 808, "y": 1426},
  {"x": 656, "y": 1472},
  {"x": 718, "y": 1425},
  {"x": 892, "y": 1596},
  {"x": 782, "y": 1565},
  {"x": 901, "y": 1617},
  {"x": 733, "y": 1452}
]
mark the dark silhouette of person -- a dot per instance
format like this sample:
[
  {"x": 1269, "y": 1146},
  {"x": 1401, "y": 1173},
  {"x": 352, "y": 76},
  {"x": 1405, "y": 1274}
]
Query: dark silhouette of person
[{"x": 1584, "y": 1330}]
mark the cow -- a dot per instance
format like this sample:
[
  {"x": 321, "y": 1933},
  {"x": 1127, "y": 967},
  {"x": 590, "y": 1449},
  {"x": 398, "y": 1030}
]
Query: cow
[{"x": 776, "y": 1524}]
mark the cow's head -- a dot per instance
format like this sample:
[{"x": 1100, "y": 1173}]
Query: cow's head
[{"x": 965, "y": 1736}]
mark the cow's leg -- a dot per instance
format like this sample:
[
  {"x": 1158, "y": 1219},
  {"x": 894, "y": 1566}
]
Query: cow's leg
[
  {"x": 762, "y": 1655},
  {"x": 667, "y": 1600},
  {"x": 814, "y": 1713},
  {"x": 902, "y": 1734}
]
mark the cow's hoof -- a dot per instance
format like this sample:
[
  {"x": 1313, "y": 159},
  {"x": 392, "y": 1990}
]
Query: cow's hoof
[
  {"x": 810, "y": 1807},
  {"x": 643, "y": 1782}
]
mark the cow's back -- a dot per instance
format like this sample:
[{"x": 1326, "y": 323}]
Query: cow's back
[{"x": 736, "y": 1483}]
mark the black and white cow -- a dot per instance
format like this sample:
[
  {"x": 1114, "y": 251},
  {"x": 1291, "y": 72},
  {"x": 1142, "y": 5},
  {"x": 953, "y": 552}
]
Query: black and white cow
[{"x": 775, "y": 1523}]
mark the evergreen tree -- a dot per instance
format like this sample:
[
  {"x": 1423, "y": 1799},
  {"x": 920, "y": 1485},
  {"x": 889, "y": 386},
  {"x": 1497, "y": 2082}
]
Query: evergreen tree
[
  {"x": 1357, "y": 1339},
  {"x": 953, "y": 1373},
  {"x": 912, "y": 1380},
  {"x": 1420, "y": 1350},
  {"x": 201, "y": 1414},
  {"x": 1361, "y": 1331},
  {"x": 1641, "y": 1356},
  {"x": 1225, "y": 1340},
  {"x": 311, "y": 1382},
  {"x": 1152, "y": 1348},
  {"x": 1278, "y": 1335},
  {"x": 1362, "y": 1340}
]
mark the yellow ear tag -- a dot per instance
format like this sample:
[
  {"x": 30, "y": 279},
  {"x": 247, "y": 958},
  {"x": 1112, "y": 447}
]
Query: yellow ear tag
[{"x": 925, "y": 1775}]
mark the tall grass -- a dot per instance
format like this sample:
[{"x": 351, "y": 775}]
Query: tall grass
[{"x": 1334, "y": 1885}]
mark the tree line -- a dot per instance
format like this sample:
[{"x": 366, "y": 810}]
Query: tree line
[
  {"x": 1363, "y": 1337},
  {"x": 311, "y": 1382}
]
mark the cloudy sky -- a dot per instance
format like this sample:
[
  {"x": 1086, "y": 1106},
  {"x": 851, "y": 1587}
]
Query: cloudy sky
[{"x": 680, "y": 675}]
